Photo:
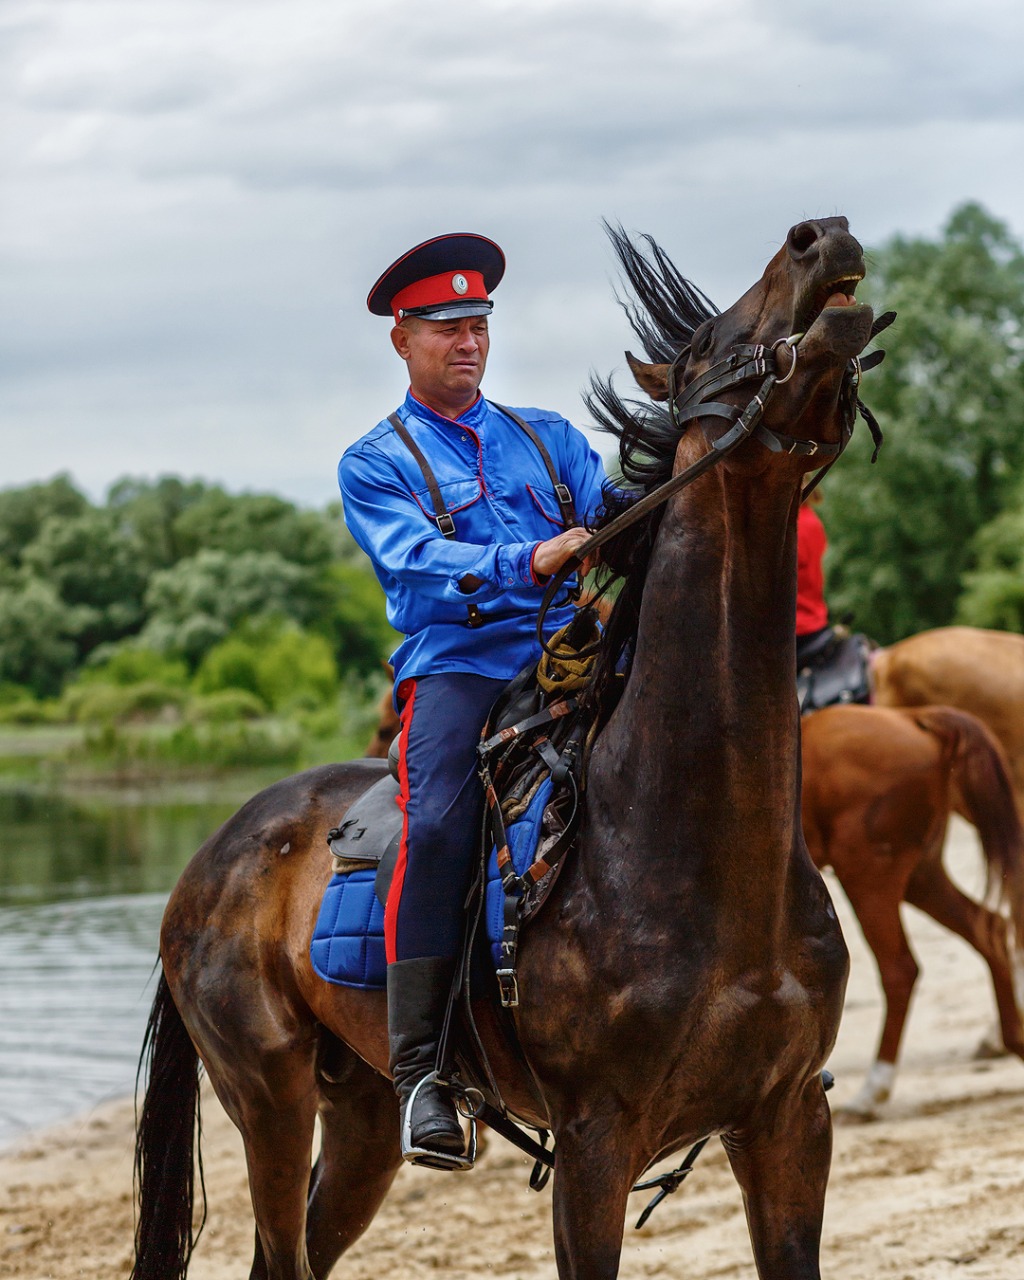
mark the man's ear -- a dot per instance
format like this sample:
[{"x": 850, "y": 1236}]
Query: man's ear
[
  {"x": 400, "y": 341},
  {"x": 652, "y": 378}
]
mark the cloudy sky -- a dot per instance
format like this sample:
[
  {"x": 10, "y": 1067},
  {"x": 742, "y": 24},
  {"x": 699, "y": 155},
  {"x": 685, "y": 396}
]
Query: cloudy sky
[{"x": 197, "y": 194}]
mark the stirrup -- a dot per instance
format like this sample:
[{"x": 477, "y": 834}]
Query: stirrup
[{"x": 431, "y": 1159}]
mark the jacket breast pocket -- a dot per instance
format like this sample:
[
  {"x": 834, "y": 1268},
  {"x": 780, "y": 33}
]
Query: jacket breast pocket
[
  {"x": 456, "y": 494},
  {"x": 547, "y": 504}
]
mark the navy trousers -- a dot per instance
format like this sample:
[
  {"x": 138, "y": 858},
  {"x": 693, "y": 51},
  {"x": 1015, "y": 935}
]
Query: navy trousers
[{"x": 442, "y": 801}]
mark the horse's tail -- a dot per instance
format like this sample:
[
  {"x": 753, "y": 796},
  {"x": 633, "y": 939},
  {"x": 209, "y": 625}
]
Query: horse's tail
[
  {"x": 166, "y": 1151},
  {"x": 978, "y": 768}
]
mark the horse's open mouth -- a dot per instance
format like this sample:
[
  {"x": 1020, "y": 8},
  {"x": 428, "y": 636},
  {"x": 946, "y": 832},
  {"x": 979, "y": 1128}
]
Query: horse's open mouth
[{"x": 834, "y": 293}]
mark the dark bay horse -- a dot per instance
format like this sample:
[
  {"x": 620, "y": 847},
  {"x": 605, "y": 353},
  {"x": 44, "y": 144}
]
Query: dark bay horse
[
  {"x": 690, "y": 934},
  {"x": 975, "y": 670},
  {"x": 878, "y": 788}
]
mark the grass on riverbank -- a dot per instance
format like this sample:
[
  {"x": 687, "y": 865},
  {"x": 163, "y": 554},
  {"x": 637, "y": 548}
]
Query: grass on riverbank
[{"x": 132, "y": 740}]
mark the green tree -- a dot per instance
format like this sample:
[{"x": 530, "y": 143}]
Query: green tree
[
  {"x": 24, "y": 511},
  {"x": 96, "y": 569},
  {"x": 994, "y": 591},
  {"x": 37, "y": 637},
  {"x": 148, "y": 511},
  {"x": 198, "y": 601},
  {"x": 354, "y": 618},
  {"x": 219, "y": 521},
  {"x": 950, "y": 398}
]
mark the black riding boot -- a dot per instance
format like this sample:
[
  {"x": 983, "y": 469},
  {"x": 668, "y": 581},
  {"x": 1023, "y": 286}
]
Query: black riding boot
[{"x": 417, "y": 999}]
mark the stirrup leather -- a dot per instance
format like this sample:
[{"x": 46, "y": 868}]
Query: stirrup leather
[{"x": 424, "y": 1155}]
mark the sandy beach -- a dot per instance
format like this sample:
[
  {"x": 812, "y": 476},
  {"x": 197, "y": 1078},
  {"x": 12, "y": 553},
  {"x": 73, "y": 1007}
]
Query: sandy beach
[{"x": 934, "y": 1189}]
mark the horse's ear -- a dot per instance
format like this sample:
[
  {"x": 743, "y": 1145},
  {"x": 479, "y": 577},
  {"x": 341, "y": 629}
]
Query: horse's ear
[{"x": 652, "y": 378}]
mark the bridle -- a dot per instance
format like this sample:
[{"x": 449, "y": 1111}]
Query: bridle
[{"x": 746, "y": 361}]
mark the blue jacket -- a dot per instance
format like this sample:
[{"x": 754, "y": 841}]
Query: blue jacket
[{"x": 498, "y": 491}]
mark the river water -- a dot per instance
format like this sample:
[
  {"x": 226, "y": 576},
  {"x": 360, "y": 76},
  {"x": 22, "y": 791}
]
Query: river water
[{"x": 83, "y": 882}]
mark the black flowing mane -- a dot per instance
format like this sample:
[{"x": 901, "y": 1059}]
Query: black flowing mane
[{"x": 665, "y": 313}]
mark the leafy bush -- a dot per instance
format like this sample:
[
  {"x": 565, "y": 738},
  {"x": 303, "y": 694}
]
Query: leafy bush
[
  {"x": 297, "y": 670},
  {"x": 289, "y": 669},
  {"x": 27, "y": 710},
  {"x": 130, "y": 664},
  {"x": 225, "y": 706},
  {"x": 191, "y": 746},
  {"x": 119, "y": 704},
  {"x": 232, "y": 664}
]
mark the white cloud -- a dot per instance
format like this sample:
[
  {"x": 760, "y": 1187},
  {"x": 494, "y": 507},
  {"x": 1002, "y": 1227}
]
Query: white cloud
[{"x": 198, "y": 196}]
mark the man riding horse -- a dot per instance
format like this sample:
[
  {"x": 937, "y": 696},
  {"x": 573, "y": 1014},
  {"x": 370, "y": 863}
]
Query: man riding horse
[{"x": 456, "y": 500}]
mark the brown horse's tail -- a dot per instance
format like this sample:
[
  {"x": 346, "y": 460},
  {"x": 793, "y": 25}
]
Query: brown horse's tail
[
  {"x": 165, "y": 1146},
  {"x": 986, "y": 800}
]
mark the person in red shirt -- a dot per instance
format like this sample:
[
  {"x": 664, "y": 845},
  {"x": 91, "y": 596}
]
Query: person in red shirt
[{"x": 811, "y": 609}]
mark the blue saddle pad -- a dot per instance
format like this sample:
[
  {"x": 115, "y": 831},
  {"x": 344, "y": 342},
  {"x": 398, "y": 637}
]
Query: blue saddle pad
[{"x": 348, "y": 940}]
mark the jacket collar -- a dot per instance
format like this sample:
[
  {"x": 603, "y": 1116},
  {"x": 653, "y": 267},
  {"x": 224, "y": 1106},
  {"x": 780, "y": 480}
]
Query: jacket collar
[{"x": 471, "y": 417}]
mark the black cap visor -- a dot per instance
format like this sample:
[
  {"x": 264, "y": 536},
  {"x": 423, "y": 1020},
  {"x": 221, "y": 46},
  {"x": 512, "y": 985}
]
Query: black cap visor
[{"x": 448, "y": 310}]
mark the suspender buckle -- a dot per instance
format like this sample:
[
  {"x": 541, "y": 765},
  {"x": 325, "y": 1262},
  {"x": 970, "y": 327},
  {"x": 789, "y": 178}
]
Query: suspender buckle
[
  {"x": 446, "y": 524},
  {"x": 509, "y": 988}
]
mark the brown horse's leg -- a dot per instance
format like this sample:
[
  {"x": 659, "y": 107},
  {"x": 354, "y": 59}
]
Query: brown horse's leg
[
  {"x": 931, "y": 891},
  {"x": 783, "y": 1172},
  {"x": 592, "y": 1184},
  {"x": 272, "y": 1100},
  {"x": 878, "y": 912},
  {"x": 359, "y": 1157}
]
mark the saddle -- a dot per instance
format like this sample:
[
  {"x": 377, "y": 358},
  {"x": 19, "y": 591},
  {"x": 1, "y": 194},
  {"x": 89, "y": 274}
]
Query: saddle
[{"x": 833, "y": 669}]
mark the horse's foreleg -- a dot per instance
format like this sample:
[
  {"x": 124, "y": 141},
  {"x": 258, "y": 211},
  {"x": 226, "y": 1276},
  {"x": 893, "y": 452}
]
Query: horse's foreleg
[
  {"x": 783, "y": 1172},
  {"x": 593, "y": 1178},
  {"x": 359, "y": 1157},
  {"x": 931, "y": 891}
]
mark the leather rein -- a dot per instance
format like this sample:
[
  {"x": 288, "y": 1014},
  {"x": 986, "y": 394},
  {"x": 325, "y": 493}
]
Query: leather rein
[{"x": 745, "y": 362}]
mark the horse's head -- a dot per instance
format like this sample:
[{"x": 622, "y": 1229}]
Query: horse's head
[{"x": 804, "y": 315}]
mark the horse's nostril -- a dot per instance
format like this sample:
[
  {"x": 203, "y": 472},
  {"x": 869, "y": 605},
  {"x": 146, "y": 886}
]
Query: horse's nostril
[{"x": 803, "y": 237}]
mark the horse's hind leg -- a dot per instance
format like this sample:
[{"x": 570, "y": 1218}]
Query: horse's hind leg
[
  {"x": 359, "y": 1155},
  {"x": 878, "y": 913},
  {"x": 272, "y": 1100},
  {"x": 931, "y": 891}
]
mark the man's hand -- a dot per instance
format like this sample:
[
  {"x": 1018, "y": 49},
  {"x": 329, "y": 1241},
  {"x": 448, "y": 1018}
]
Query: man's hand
[{"x": 551, "y": 555}]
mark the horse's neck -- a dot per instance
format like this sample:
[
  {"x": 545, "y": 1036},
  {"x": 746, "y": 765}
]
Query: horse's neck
[{"x": 700, "y": 762}]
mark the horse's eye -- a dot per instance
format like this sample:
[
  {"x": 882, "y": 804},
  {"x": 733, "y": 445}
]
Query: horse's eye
[{"x": 703, "y": 341}]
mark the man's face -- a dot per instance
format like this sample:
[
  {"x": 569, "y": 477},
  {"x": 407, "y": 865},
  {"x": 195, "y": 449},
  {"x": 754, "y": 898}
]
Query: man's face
[{"x": 446, "y": 359}]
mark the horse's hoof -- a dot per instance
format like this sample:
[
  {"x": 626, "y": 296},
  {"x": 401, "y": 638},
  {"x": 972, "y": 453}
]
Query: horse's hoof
[
  {"x": 988, "y": 1050},
  {"x": 849, "y": 1116}
]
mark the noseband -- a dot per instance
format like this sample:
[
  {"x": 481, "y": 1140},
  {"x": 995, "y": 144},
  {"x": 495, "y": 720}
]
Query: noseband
[{"x": 745, "y": 362}]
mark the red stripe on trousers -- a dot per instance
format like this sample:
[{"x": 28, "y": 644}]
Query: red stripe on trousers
[{"x": 402, "y": 800}]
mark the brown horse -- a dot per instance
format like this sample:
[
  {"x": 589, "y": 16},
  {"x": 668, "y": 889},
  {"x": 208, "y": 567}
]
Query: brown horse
[
  {"x": 978, "y": 671},
  {"x": 690, "y": 934},
  {"x": 878, "y": 788},
  {"x": 388, "y": 723}
]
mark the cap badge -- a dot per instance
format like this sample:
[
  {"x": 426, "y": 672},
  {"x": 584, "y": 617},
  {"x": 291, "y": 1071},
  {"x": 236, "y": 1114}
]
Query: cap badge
[{"x": 460, "y": 284}]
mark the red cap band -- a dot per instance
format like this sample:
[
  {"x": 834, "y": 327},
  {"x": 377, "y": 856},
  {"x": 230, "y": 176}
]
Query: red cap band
[{"x": 436, "y": 291}]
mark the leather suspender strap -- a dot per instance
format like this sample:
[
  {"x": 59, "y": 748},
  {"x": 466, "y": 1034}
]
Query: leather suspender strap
[
  {"x": 442, "y": 516},
  {"x": 565, "y": 503}
]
